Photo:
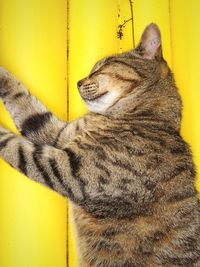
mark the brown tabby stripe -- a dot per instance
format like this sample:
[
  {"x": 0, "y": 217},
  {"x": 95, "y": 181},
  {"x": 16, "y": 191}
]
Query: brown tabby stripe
[
  {"x": 99, "y": 69},
  {"x": 92, "y": 261},
  {"x": 75, "y": 164},
  {"x": 35, "y": 123},
  {"x": 22, "y": 160},
  {"x": 106, "y": 245},
  {"x": 19, "y": 95},
  {"x": 56, "y": 172},
  {"x": 179, "y": 196},
  {"x": 177, "y": 170},
  {"x": 190, "y": 242},
  {"x": 145, "y": 251},
  {"x": 3, "y": 85},
  {"x": 139, "y": 73},
  {"x": 2, "y": 133},
  {"x": 4, "y": 94},
  {"x": 110, "y": 232},
  {"x": 102, "y": 168},
  {"x": 122, "y": 78},
  {"x": 117, "y": 207},
  {"x": 149, "y": 185},
  {"x": 83, "y": 145},
  {"x": 152, "y": 138},
  {"x": 77, "y": 128},
  {"x": 129, "y": 264},
  {"x": 105, "y": 263},
  {"x": 74, "y": 161},
  {"x": 58, "y": 175},
  {"x": 5, "y": 142},
  {"x": 40, "y": 168},
  {"x": 156, "y": 236},
  {"x": 101, "y": 154},
  {"x": 182, "y": 260},
  {"x": 59, "y": 134},
  {"x": 122, "y": 165},
  {"x": 180, "y": 146},
  {"x": 102, "y": 180},
  {"x": 156, "y": 127},
  {"x": 146, "y": 113},
  {"x": 143, "y": 120}
]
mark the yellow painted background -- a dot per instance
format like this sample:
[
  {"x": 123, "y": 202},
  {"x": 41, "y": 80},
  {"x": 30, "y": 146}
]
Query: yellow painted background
[{"x": 33, "y": 45}]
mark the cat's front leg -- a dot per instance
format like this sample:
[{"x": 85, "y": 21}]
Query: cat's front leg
[
  {"x": 42, "y": 163},
  {"x": 31, "y": 117},
  {"x": 74, "y": 172}
]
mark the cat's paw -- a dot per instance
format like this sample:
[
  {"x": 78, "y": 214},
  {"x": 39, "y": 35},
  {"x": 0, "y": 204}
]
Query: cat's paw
[{"x": 5, "y": 82}]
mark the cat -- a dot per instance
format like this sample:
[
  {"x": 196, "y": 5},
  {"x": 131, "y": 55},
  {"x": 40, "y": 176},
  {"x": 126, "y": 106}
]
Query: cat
[{"x": 124, "y": 165}]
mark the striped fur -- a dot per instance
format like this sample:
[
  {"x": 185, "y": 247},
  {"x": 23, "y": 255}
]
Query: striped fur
[{"x": 124, "y": 165}]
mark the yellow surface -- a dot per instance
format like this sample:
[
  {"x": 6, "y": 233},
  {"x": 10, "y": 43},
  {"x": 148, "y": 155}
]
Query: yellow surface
[
  {"x": 33, "y": 47},
  {"x": 155, "y": 11},
  {"x": 178, "y": 21},
  {"x": 185, "y": 21},
  {"x": 92, "y": 35}
]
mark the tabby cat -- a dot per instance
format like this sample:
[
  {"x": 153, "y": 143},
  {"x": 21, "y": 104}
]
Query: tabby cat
[{"x": 124, "y": 166}]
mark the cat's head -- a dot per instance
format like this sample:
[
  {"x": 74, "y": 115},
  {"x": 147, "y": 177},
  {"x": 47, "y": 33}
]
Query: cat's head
[{"x": 127, "y": 79}]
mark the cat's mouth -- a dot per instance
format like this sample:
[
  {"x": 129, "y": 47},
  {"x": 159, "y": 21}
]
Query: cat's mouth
[{"x": 94, "y": 97}]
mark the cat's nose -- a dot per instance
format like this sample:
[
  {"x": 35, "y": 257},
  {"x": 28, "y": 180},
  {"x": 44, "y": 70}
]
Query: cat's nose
[{"x": 79, "y": 83}]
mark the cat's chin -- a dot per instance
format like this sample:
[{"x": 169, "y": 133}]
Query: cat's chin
[{"x": 101, "y": 104}]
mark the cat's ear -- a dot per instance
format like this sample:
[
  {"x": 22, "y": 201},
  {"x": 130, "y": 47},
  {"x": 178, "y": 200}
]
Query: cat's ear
[{"x": 150, "y": 43}]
